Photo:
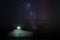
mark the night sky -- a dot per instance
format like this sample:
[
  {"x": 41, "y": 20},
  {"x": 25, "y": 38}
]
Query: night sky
[
  {"x": 15, "y": 12},
  {"x": 12, "y": 11}
]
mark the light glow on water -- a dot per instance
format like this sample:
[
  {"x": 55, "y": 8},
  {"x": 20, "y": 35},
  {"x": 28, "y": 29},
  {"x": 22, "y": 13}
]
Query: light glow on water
[{"x": 20, "y": 33}]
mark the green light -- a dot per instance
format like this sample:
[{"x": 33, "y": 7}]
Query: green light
[{"x": 18, "y": 32}]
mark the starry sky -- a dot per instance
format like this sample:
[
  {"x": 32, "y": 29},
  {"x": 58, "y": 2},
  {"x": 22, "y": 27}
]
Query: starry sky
[{"x": 14, "y": 12}]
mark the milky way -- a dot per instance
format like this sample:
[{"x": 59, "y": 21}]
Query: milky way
[
  {"x": 41, "y": 13},
  {"x": 31, "y": 14}
]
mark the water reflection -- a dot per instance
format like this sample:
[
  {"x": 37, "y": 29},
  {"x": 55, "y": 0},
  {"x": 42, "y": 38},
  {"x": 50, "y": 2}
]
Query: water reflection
[{"x": 19, "y": 33}]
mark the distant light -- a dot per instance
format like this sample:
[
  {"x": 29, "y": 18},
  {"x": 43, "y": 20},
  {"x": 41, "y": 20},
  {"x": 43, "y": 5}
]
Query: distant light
[{"x": 18, "y": 27}]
